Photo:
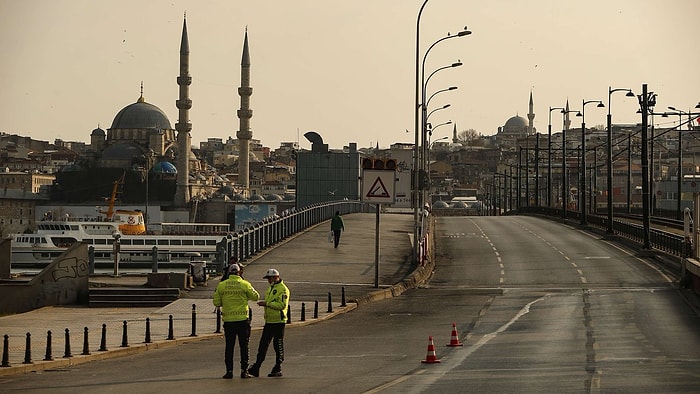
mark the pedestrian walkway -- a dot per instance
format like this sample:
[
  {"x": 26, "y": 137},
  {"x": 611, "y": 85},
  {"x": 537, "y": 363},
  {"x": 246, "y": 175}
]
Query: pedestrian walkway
[{"x": 323, "y": 282}]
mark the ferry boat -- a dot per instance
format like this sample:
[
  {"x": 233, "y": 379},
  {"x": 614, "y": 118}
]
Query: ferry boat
[{"x": 173, "y": 242}]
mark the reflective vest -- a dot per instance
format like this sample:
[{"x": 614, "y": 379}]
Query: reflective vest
[
  {"x": 276, "y": 303},
  {"x": 232, "y": 295}
]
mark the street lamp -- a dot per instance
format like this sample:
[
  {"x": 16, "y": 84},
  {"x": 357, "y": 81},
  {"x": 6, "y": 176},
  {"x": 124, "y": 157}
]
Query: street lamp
[
  {"x": 564, "y": 165},
  {"x": 609, "y": 228},
  {"x": 582, "y": 187},
  {"x": 423, "y": 85},
  {"x": 440, "y": 91},
  {"x": 549, "y": 156},
  {"x": 416, "y": 130}
]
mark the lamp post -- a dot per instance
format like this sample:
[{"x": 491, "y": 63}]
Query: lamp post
[
  {"x": 416, "y": 241},
  {"x": 423, "y": 86},
  {"x": 424, "y": 109},
  {"x": 549, "y": 156},
  {"x": 419, "y": 86},
  {"x": 609, "y": 227},
  {"x": 582, "y": 187},
  {"x": 647, "y": 101},
  {"x": 441, "y": 90},
  {"x": 430, "y": 147},
  {"x": 564, "y": 166}
]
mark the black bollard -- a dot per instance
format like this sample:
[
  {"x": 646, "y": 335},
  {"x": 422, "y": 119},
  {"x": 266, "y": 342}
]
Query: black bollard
[
  {"x": 303, "y": 312},
  {"x": 148, "y": 331},
  {"x": 5, "y": 351},
  {"x": 342, "y": 296},
  {"x": 218, "y": 321},
  {"x": 103, "y": 341},
  {"x": 86, "y": 343},
  {"x": 330, "y": 305},
  {"x": 28, "y": 350},
  {"x": 194, "y": 320},
  {"x": 316, "y": 309},
  {"x": 170, "y": 327},
  {"x": 125, "y": 336},
  {"x": 289, "y": 314},
  {"x": 66, "y": 350},
  {"x": 48, "y": 356}
]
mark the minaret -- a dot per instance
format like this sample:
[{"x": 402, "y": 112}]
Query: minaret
[
  {"x": 530, "y": 117},
  {"x": 183, "y": 125},
  {"x": 567, "y": 121},
  {"x": 244, "y": 114},
  {"x": 454, "y": 134}
]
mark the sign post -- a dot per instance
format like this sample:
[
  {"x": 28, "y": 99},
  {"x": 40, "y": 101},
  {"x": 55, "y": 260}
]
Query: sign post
[{"x": 378, "y": 186}]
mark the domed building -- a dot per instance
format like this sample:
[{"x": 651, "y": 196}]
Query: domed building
[
  {"x": 140, "y": 146},
  {"x": 516, "y": 127}
]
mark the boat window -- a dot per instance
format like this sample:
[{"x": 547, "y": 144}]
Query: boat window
[
  {"x": 138, "y": 242},
  {"x": 150, "y": 242},
  {"x": 187, "y": 242},
  {"x": 162, "y": 242},
  {"x": 125, "y": 242},
  {"x": 199, "y": 242},
  {"x": 175, "y": 242},
  {"x": 211, "y": 242}
]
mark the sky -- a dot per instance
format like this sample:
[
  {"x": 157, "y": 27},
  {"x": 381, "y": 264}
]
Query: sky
[{"x": 344, "y": 69}]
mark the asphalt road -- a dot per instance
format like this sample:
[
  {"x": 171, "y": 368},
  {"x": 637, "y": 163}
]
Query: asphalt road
[{"x": 539, "y": 307}]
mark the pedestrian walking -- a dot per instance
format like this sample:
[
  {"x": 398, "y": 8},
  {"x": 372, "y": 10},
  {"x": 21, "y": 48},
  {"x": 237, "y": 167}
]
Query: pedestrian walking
[
  {"x": 232, "y": 296},
  {"x": 275, "y": 303},
  {"x": 337, "y": 226}
]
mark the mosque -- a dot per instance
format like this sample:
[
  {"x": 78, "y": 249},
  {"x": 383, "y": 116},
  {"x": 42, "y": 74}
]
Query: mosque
[{"x": 147, "y": 157}]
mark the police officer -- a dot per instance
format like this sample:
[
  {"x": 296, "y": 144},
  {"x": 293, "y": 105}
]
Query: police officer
[
  {"x": 275, "y": 303},
  {"x": 232, "y": 296}
]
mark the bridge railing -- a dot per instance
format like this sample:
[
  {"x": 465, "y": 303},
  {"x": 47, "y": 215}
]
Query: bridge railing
[{"x": 667, "y": 242}]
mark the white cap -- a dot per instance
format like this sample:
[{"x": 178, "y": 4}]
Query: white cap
[
  {"x": 271, "y": 272},
  {"x": 233, "y": 269}
]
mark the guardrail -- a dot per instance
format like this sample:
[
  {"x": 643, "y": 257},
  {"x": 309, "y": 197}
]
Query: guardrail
[
  {"x": 271, "y": 230},
  {"x": 667, "y": 242}
]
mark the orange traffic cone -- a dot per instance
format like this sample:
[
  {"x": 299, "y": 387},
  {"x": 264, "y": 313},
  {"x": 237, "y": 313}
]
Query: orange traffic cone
[
  {"x": 431, "y": 358},
  {"x": 455, "y": 337}
]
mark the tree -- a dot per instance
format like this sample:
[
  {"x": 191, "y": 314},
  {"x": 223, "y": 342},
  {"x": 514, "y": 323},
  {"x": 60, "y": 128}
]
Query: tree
[{"x": 468, "y": 136}]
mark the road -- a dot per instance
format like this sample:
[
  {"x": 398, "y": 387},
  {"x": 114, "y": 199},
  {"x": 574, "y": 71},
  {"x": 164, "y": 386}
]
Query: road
[{"x": 539, "y": 307}]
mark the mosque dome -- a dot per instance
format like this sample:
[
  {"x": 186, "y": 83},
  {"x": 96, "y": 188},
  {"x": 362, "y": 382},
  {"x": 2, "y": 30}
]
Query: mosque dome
[
  {"x": 141, "y": 115},
  {"x": 123, "y": 150},
  {"x": 98, "y": 132},
  {"x": 440, "y": 204},
  {"x": 226, "y": 189},
  {"x": 516, "y": 122},
  {"x": 273, "y": 197},
  {"x": 164, "y": 167}
]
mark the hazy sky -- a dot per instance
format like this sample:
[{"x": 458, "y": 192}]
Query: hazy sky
[{"x": 345, "y": 69}]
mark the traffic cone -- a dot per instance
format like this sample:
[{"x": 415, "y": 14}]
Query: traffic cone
[
  {"x": 455, "y": 337},
  {"x": 431, "y": 358}
]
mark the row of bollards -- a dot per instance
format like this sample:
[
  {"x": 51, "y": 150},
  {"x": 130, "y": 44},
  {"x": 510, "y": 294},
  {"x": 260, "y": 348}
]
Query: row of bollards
[
  {"x": 86, "y": 347},
  {"x": 147, "y": 337}
]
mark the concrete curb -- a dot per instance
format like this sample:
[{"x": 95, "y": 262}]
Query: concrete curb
[{"x": 64, "y": 362}]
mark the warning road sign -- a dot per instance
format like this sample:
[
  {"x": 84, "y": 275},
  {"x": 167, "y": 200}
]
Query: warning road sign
[{"x": 378, "y": 186}]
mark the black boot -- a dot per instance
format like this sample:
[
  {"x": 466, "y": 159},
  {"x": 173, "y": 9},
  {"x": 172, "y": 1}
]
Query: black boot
[
  {"x": 229, "y": 375},
  {"x": 276, "y": 372},
  {"x": 254, "y": 370}
]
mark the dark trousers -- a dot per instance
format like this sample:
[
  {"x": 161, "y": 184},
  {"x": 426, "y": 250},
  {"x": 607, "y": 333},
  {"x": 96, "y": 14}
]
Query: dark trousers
[
  {"x": 336, "y": 238},
  {"x": 272, "y": 332},
  {"x": 240, "y": 329}
]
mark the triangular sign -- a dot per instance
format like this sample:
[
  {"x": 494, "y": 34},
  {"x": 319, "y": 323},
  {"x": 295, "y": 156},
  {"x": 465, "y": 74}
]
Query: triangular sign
[{"x": 378, "y": 190}]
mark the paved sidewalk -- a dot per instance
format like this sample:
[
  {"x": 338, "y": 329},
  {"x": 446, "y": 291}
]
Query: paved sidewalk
[{"x": 313, "y": 270}]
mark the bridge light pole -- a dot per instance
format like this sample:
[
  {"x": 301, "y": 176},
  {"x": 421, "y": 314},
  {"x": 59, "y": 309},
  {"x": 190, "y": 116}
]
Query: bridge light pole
[{"x": 609, "y": 228}]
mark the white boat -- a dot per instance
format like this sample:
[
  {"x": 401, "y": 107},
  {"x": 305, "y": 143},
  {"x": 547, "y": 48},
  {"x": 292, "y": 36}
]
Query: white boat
[{"x": 173, "y": 242}]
